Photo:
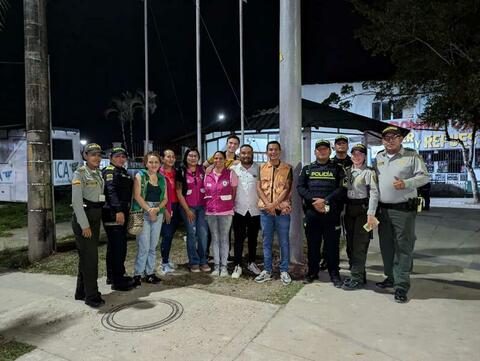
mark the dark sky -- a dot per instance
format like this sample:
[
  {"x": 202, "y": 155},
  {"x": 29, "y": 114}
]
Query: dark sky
[{"x": 96, "y": 50}]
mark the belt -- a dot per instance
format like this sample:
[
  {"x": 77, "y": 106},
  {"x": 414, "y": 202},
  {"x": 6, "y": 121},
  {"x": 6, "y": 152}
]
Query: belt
[
  {"x": 90, "y": 204},
  {"x": 397, "y": 206},
  {"x": 357, "y": 202}
]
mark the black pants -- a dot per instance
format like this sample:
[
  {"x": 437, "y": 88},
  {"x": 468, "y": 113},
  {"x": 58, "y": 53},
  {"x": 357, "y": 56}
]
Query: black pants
[
  {"x": 116, "y": 252},
  {"x": 246, "y": 226},
  {"x": 88, "y": 254},
  {"x": 358, "y": 238},
  {"x": 322, "y": 226}
]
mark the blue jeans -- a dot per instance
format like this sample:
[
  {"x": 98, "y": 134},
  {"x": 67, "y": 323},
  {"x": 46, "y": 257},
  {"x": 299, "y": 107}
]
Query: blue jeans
[
  {"x": 147, "y": 242},
  {"x": 168, "y": 231},
  {"x": 280, "y": 224},
  {"x": 196, "y": 236}
]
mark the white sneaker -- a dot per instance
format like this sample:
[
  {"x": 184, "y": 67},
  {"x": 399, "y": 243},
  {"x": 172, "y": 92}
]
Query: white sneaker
[
  {"x": 252, "y": 267},
  {"x": 263, "y": 277},
  {"x": 216, "y": 270},
  {"x": 237, "y": 272},
  {"x": 166, "y": 269},
  {"x": 224, "y": 272},
  {"x": 285, "y": 277}
]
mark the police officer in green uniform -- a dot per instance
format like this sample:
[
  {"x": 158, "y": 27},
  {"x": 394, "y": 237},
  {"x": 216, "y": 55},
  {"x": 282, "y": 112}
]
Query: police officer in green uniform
[
  {"x": 362, "y": 201},
  {"x": 322, "y": 185},
  {"x": 400, "y": 172},
  {"x": 118, "y": 195},
  {"x": 87, "y": 202}
]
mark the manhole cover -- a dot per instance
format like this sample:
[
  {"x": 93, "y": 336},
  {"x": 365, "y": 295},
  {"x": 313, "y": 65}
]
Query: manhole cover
[{"x": 170, "y": 310}]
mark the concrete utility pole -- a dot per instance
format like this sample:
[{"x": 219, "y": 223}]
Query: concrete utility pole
[
  {"x": 41, "y": 240},
  {"x": 291, "y": 111},
  {"x": 197, "y": 67},
  {"x": 147, "y": 112}
]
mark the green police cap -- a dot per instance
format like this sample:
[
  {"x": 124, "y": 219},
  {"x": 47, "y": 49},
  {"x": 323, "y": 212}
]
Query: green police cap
[
  {"x": 92, "y": 148},
  {"x": 118, "y": 150},
  {"x": 322, "y": 143},
  {"x": 391, "y": 129},
  {"x": 340, "y": 138},
  {"x": 360, "y": 147}
]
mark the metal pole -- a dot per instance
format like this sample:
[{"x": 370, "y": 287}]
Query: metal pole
[
  {"x": 41, "y": 241},
  {"x": 199, "y": 94},
  {"x": 147, "y": 113},
  {"x": 242, "y": 108},
  {"x": 291, "y": 111}
]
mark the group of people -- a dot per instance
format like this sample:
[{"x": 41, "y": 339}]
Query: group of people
[{"x": 230, "y": 191}]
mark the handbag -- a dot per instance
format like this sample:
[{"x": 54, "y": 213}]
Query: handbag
[{"x": 135, "y": 222}]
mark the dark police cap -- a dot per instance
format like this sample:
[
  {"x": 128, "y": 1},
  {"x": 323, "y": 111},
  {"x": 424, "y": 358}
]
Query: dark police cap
[
  {"x": 340, "y": 138},
  {"x": 322, "y": 143},
  {"x": 92, "y": 148},
  {"x": 360, "y": 147},
  {"x": 118, "y": 150},
  {"x": 391, "y": 129}
]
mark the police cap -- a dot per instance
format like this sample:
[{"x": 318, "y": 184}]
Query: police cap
[
  {"x": 92, "y": 148},
  {"x": 391, "y": 129},
  {"x": 340, "y": 138},
  {"x": 118, "y": 150},
  {"x": 360, "y": 147},
  {"x": 322, "y": 143}
]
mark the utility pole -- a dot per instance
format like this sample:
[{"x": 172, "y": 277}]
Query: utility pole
[
  {"x": 291, "y": 111},
  {"x": 199, "y": 93},
  {"x": 145, "y": 38},
  {"x": 242, "y": 107},
  {"x": 41, "y": 240}
]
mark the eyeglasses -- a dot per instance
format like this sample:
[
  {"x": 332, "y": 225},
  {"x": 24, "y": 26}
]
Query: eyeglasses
[{"x": 389, "y": 138}]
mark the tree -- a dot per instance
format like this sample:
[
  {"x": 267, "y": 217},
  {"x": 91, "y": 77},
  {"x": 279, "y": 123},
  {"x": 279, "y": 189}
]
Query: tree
[
  {"x": 125, "y": 107},
  {"x": 435, "y": 47}
]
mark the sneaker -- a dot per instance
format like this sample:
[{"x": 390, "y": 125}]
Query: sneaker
[
  {"x": 285, "y": 277},
  {"x": 152, "y": 279},
  {"x": 195, "y": 268},
  {"x": 310, "y": 279},
  {"x": 252, "y": 267},
  {"x": 386, "y": 283},
  {"x": 137, "y": 281},
  {"x": 237, "y": 272},
  {"x": 263, "y": 277},
  {"x": 400, "y": 296},
  {"x": 224, "y": 271},
  {"x": 95, "y": 302},
  {"x": 216, "y": 270},
  {"x": 205, "y": 268},
  {"x": 351, "y": 285},
  {"x": 166, "y": 269}
]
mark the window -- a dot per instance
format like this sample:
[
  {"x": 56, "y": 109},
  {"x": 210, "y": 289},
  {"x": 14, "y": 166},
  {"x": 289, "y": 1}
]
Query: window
[
  {"x": 386, "y": 111},
  {"x": 62, "y": 149}
]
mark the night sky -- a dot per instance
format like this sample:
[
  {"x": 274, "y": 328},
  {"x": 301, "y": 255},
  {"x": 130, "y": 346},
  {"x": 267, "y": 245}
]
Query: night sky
[{"x": 96, "y": 52}]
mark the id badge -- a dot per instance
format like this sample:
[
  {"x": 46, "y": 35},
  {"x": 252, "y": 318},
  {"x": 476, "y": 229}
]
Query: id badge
[{"x": 101, "y": 198}]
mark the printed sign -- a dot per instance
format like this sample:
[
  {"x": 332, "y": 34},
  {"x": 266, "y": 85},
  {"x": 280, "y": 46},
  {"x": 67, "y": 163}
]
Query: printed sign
[
  {"x": 7, "y": 175},
  {"x": 63, "y": 171}
]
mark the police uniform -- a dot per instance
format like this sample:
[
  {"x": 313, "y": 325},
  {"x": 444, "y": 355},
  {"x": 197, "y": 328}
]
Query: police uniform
[
  {"x": 118, "y": 195},
  {"x": 362, "y": 201},
  {"x": 87, "y": 202},
  {"x": 325, "y": 181},
  {"x": 397, "y": 213}
]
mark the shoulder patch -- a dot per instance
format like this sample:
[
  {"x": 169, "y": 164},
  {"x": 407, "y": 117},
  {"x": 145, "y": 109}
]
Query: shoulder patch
[
  {"x": 76, "y": 182},
  {"x": 109, "y": 177},
  {"x": 80, "y": 169},
  {"x": 109, "y": 167}
]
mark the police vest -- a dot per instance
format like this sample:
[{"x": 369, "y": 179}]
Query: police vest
[{"x": 323, "y": 179}]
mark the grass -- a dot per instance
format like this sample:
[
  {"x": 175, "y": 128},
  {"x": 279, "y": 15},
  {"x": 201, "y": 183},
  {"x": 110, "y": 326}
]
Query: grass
[
  {"x": 11, "y": 350},
  {"x": 14, "y": 215}
]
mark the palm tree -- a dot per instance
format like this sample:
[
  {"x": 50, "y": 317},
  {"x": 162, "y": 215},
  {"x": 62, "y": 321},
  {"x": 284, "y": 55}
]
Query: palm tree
[
  {"x": 125, "y": 107},
  {"x": 4, "y": 5},
  {"x": 152, "y": 102}
]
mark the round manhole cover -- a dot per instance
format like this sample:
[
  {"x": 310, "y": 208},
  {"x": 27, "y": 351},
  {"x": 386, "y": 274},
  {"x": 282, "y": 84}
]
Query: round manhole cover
[{"x": 136, "y": 316}]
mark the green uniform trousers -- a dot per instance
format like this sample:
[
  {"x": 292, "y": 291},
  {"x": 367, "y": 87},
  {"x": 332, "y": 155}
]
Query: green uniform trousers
[
  {"x": 397, "y": 240},
  {"x": 357, "y": 238},
  {"x": 88, "y": 253}
]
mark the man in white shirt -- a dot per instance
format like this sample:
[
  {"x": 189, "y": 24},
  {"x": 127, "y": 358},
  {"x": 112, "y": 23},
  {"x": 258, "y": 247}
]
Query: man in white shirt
[{"x": 246, "y": 220}]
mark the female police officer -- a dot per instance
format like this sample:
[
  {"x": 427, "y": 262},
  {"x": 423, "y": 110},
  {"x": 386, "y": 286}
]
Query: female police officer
[
  {"x": 362, "y": 200},
  {"x": 87, "y": 203}
]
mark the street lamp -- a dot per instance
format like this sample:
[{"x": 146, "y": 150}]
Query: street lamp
[
  {"x": 221, "y": 116},
  {"x": 83, "y": 142}
]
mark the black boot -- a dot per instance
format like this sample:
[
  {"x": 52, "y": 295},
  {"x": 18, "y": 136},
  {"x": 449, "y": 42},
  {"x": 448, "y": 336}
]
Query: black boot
[
  {"x": 152, "y": 279},
  {"x": 400, "y": 296},
  {"x": 386, "y": 283},
  {"x": 137, "y": 281},
  {"x": 95, "y": 302},
  {"x": 336, "y": 279}
]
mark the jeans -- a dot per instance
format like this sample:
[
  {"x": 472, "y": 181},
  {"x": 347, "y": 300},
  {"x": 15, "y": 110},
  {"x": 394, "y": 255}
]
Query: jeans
[
  {"x": 246, "y": 226},
  {"x": 280, "y": 224},
  {"x": 168, "y": 231},
  {"x": 196, "y": 236},
  {"x": 220, "y": 229},
  {"x": 147, "y": 244}
]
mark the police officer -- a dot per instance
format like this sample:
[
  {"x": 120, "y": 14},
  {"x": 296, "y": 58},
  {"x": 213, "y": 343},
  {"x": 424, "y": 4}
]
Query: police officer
[
  {"x": 322, "y": 185},
  {"x": 400, "y": 172},
  {"x": 341, "y": 157},
  {"x": 118, "y": 194},
  {"x": 362, "y": 201},
  {"x": 87, "y": 202}
]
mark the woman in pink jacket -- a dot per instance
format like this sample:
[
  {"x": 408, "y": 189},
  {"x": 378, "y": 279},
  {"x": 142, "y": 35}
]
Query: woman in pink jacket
[{"x": 220, "y": 189}]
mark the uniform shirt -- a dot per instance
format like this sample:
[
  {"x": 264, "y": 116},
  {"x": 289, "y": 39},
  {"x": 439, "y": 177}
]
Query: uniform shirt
[
  {"x": 327, "y": 181},
  {"x": 362, "y": 183},
  {"x": 346, "y": 162},
  {"x": 86, "y": 184},
  {"x": 246, "y": 199},
  {"x": 118, "y": 188},
  {"x": 406, "y": 165}
]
